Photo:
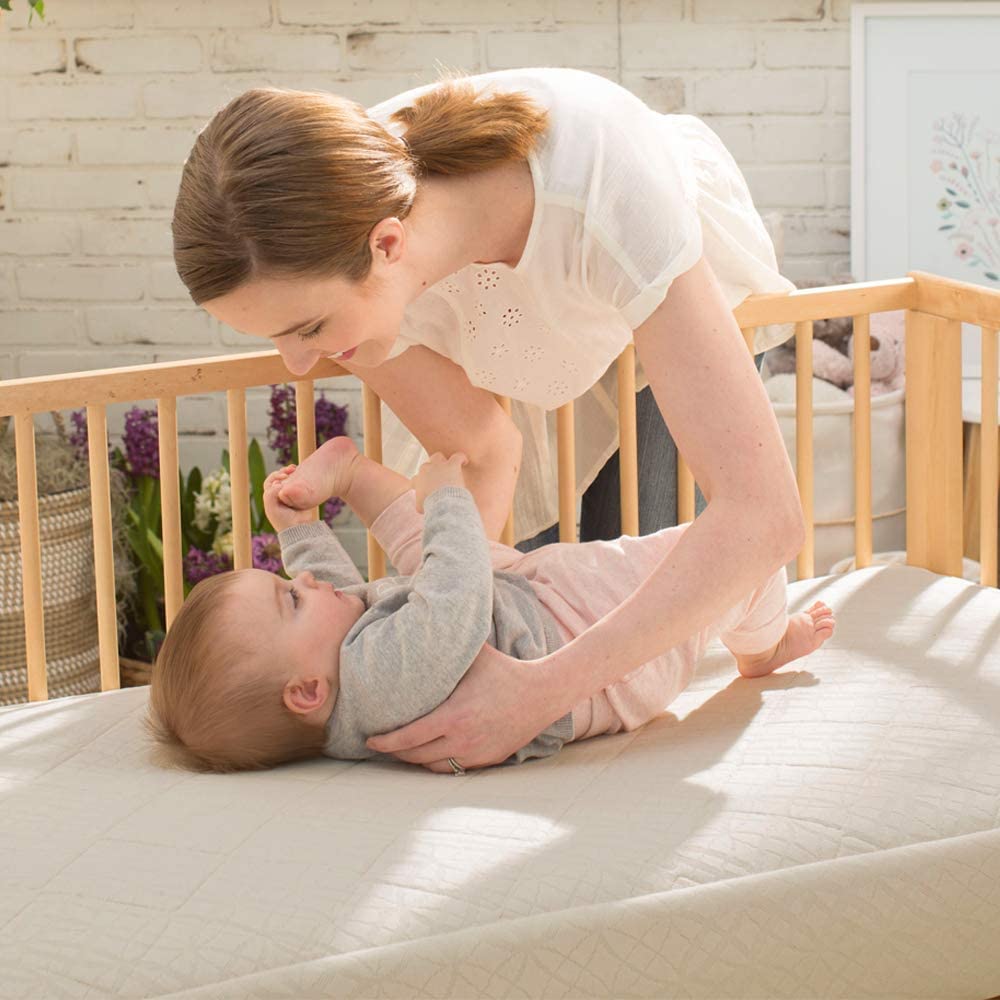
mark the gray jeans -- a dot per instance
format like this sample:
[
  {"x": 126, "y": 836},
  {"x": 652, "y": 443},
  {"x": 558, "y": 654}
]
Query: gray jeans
[{"x": 600, "y": 511}]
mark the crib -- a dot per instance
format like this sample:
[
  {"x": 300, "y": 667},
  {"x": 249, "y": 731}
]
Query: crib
[{"x": 827, "y": 831}]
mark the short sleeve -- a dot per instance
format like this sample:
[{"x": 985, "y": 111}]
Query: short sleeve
[{"x": 641, "y": 227}]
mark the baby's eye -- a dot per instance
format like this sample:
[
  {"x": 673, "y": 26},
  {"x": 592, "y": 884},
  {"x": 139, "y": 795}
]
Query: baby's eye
[
  {"x": 309, "y": 334},
  {"x": 295, "y": 596}
]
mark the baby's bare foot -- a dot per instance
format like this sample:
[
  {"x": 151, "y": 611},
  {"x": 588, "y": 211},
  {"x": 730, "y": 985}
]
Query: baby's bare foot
[
  {"x": 326, "y": 473},
  {"x": 806, "y": 632}
]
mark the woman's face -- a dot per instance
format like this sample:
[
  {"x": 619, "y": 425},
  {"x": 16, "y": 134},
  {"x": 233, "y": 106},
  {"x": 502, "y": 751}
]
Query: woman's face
[{"x": 312, "y": 318}]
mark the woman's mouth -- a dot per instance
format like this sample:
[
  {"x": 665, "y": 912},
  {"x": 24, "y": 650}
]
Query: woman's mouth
[{"x": 342, "y": 355}]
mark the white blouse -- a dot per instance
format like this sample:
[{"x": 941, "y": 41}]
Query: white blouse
[{"x": 626, "y": 199}]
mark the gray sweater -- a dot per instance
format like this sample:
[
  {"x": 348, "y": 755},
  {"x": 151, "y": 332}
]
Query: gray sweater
[{"x": 410, "y": 648}]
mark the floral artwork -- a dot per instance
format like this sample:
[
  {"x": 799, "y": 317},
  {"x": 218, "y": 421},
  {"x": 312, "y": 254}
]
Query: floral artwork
[{"x": 966, "y": 160}]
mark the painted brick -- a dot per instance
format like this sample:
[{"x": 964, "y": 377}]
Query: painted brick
[
  {"x": 838, "y": 84},
  {"x": 812, "y": 48},
  {"x": 74, "y": 14},
  {"x": 126, "y": 237},
  {"x": 605, "y": 11},
  {"x": 265, "y": 50},
  {"x": 756, "y": 93},
  {"x": 162, "y": 187},
  {"x": 61, "y": 189},
  {"x": 349, "y": 13},
  {"x": 73, "y": 99},
  {"x": 579, "y": 46},
  {"x": 367, "y": 91},
  {"x": 35, "y": 237},
  {"x": 39, "y": 327},
  {"x": 173, "y": 54},
  {"x": 820, "y": 234},
  {"x": 199, "y": 13},
  {"x": 134, "y": 144},
  {"x": 6, "y": 281},
  {"x": 164, "y": 282},
  {"x": 652, "y": 10},
  {"x": 754, "y": 10},
  {"x": 194, "y": 97},
  {"x": 8, "y": 367},
  {"x": 150, "y": 326},
  {"x": 494, "y": 12},
  {"x": 390, "y": 50},
  {"x": 22, "y": 56},
  {"x": 49, "y": 145},
  {"x": 786, "y": 187},
  {"x": 662, "y": 93},
  {"x": 803, "y": 140},
  {"x": 838, "y": 186},
  {"x": 90, "y": 282},
  {"x": 686, "y": 47}
]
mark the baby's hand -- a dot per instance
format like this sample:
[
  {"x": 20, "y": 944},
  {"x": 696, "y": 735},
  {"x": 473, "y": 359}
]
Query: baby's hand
[
  {"x": 279, "y": 513},
  {"x": 436, "y": 472}
]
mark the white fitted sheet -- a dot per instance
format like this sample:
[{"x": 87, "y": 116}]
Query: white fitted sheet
[{"x": 829, "y": 831}]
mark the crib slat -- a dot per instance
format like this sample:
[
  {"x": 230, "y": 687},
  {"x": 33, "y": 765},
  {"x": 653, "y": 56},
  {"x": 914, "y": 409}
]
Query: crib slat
[
  {"x": 566, "y": 443},
  {"x": 934, "y": 443},
  {"x": 805, "y": 565},
  {"x": 628, "y": 455},
  {"x": 104, "y": 563},
  {"x": 305, "y": 423},
  {"x": 507, "y": 534},
  {"x": 170, "y": 507},
  {"x": 988, "y": 463},
  {"x": 31, "y": 556},
  {"x": 239, "y": 477},
  {"x": 861, "y": 430},
  {"x": 371, "y": 408}
]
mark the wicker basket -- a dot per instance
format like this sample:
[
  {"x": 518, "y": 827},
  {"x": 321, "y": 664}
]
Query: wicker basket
[{"x": 68, "y": 598}]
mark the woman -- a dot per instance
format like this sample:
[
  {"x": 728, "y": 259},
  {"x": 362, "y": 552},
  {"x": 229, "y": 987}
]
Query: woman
[{"x": 510, "y": 233}]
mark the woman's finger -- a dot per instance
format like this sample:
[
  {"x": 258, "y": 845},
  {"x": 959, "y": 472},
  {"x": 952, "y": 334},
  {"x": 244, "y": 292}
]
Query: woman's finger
[{"x": 425, "y": 731}]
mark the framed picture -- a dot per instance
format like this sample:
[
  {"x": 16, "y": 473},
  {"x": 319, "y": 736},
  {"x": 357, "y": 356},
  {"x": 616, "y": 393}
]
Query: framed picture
[{"x": 925, "y": 144}]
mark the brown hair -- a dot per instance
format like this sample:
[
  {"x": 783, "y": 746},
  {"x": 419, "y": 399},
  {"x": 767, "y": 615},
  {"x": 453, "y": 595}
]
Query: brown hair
[
  {"x": 290, "y": 183},
  {"x": 209, "y": 710}
]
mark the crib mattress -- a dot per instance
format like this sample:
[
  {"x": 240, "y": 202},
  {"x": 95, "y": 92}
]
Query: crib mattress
[{"x": 826, "y": 831}]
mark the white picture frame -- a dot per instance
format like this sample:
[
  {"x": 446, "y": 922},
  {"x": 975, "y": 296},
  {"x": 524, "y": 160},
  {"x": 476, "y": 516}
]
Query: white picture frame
[{"x": 925, "y": 145}]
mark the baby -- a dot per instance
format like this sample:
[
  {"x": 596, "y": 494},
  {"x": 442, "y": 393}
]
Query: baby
[{"x": 257, "y": 670}]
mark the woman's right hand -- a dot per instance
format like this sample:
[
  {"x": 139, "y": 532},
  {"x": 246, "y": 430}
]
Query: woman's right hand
[{"x": 436, "y": 472}]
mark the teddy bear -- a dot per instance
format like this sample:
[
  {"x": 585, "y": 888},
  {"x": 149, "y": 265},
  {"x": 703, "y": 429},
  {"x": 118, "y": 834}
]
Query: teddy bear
[{"x": 888, "y": 352}]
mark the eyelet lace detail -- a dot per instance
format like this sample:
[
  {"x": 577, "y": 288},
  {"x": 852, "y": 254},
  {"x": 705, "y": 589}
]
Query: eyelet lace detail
[
  {"x": 531, "y": 353},
  {"x": 510, "y": 317},
  {"x": 499, "y": 350},
  {"x": 484, "y": 376},
  {"x": 488, "y": 278}
]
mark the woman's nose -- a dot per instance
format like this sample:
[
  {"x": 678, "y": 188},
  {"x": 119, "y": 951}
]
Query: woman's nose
[{"x": 298, "y": 360}]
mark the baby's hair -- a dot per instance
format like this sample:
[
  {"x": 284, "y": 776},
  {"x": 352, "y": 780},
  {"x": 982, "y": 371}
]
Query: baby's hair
[{"x": 210, "y": 708}]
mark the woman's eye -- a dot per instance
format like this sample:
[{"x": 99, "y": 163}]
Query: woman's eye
[
  {"x": 311, "y": 333},
  {"x": 295, "y": 597}
]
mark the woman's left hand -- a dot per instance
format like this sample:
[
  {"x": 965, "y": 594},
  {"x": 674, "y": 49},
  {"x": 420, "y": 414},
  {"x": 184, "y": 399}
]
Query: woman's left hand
[{"x": 497, "y": 708}]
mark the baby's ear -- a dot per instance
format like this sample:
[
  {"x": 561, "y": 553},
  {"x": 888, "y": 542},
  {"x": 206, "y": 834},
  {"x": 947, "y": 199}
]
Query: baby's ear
[{"x": 304, "y": 695}]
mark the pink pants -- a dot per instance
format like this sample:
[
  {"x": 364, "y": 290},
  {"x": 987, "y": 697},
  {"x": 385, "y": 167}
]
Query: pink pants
[{"x": 580, "y": 582}]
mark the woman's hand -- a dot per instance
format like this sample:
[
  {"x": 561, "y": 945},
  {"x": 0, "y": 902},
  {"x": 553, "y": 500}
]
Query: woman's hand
[{"x": 497, "y": 708}]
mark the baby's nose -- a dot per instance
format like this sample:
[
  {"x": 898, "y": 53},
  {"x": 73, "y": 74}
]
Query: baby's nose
[{"x": 308, "y": 578}]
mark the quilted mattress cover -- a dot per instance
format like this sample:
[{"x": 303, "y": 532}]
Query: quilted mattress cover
[{"x": 829, "y": 831}]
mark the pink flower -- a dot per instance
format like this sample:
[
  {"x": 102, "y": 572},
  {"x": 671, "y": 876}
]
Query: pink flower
[{"x": 963, "y": 250}]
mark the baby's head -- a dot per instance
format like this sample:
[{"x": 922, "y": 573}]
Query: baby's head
[{"x": 249, "y": 671}]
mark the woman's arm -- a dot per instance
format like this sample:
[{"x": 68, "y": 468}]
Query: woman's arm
[
  {"x": 438, "y": 404},
  {"x": 714, "y": 403}
]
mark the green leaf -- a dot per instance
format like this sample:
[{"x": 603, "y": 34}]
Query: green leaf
[
  {"x": 4, "y": 4},
  {"x": 257, "y": 475},
  {"x": 992, "y": 276},
  {"x": 962, "y": 204},
  {"x": 39, "y": 8},
  {"x": 225, "y": 460}
]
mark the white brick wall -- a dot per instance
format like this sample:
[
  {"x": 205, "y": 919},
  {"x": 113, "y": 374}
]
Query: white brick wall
[{"x": 100, "y": 103}]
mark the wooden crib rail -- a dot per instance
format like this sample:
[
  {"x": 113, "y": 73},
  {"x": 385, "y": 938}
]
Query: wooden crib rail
[{"x": 935, "y": 310}]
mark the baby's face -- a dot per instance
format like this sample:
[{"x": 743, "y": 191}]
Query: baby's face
[{"x": 302, "y": 621}]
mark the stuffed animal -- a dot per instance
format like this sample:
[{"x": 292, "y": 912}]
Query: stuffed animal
[{"x": 888, "y": 352}]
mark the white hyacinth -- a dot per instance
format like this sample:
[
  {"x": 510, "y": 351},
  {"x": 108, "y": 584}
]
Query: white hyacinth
[{"x": 214, "y": 501}]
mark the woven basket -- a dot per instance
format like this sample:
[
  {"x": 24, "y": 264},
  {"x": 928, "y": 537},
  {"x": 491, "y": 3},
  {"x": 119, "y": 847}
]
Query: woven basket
[{"x": 68, "y": 598}]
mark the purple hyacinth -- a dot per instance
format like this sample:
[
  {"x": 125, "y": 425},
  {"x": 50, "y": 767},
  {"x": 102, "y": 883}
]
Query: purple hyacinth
[
  {"x": 332, "y": 508},
  {"x": 78, "y": 439},
  {"x": 331, "y": 421},
  {"x": 266, "y": 552},
  {"x": 141, "y": 442},
  {"x": 198, "y": 565}
]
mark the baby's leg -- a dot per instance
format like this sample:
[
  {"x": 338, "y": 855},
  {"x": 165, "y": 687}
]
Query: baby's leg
[
  {"x": 338, "y": 469},
  {"x": 806, "y": 632}
]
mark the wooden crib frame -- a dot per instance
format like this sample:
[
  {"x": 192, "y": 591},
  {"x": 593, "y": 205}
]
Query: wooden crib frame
[{"x": 936, "y": 307}]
